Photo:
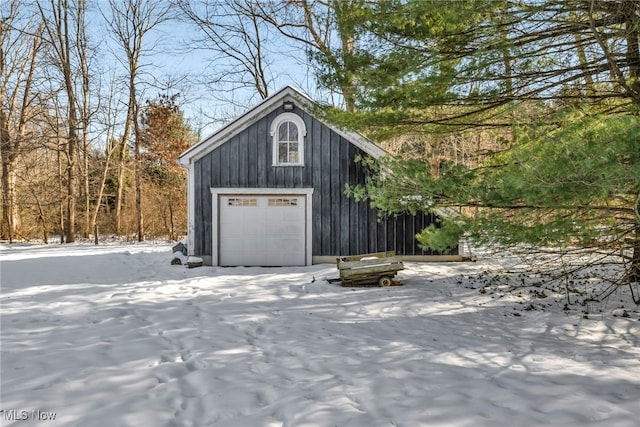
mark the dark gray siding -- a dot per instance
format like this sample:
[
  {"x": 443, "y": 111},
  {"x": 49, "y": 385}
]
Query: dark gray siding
[{"x": 341, "y": 226}]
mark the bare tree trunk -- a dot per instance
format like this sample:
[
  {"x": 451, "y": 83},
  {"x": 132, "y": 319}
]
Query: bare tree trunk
[
  {"x": 62, "y": 198},
  {"x": 70, "y": 230},
  {"x": 109, "y": 151},
  {"x": 138, "y": 174},
  {"x": 120, "y": 184},
  {"x": 17, "y": 69},
  {"x": 10, "y": 218},
  {"x": 130, "y": 21},
  {"x": 122, "y": 159},
  {"x": 86, "y": 188},
  {"x": 9, "y": 207},
  {"x": 86, "y": 230},
  {"x": 96, "y": 208},
  {"x": 82, "y": 47},
  {"x": 72, "y": 153},
  {"x": 347, "y": 46},
  {"x": 312, "y": 28},
  {"x": 60, "y": 37},
  {"x": 41, "y": 217},
  {"x": 8, "y": 165}
]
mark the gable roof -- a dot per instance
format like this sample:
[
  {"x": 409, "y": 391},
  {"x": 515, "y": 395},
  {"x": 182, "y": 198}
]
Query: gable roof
[{"x": 287, "y": 93}]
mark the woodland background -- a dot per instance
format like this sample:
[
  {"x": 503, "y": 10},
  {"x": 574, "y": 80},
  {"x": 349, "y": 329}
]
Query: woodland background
[{"x": 519, "y": 118}]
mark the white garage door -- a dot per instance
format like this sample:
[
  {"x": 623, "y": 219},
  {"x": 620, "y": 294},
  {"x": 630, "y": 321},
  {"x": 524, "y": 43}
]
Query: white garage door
[{"x": 262, "y": 230}]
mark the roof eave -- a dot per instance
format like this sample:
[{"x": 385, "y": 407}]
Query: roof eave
[{"x": 223, "y": 134}]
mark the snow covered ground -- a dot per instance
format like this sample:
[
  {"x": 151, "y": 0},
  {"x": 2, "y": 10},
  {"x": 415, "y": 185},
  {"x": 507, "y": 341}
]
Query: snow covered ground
[{"x": 115, "y": 336}]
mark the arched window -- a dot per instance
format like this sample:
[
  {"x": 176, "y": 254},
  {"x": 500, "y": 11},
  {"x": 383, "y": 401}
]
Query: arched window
[{"x": 288, "y": 132}]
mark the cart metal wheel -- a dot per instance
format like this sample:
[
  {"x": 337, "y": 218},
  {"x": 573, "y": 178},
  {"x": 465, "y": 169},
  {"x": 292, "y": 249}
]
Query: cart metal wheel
[{"x": 385, "y": 281}]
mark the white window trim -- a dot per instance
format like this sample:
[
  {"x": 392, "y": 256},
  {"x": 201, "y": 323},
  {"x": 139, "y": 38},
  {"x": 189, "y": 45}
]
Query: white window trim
[
  {"x": 302, "y": 132},
  {"x": 216, "y": 193}
]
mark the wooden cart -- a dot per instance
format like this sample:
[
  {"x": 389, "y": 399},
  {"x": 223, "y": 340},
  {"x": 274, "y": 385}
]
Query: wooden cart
[{"x": 369, "y": 269}]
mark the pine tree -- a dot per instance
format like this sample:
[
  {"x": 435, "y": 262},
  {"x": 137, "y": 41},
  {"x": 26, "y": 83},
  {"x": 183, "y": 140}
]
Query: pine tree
[{"x": 556, "y": 85}]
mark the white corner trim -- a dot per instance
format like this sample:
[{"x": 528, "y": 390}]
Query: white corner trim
[
  {"x": 215, "y": 214},
  {"x": 191, "y": 207}
]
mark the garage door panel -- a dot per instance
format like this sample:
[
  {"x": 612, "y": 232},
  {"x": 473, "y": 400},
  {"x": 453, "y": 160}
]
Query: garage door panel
[
  {"x": 253, "y": 229},
  {"x": 262, "y": 230},
  {"x": 234, "y": 254},
  {"x": 286, "y": 230},
  {"x": 290, "y": 246},
  {"x": 290, "y": 215},
  {"x": 234, "y": 245}
]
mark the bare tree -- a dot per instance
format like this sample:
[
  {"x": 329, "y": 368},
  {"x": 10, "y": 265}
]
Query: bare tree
[
  {"x": 61, "y": 23},
  {"x": 18, "y": 60},
  {"x": 109, "y": 113},
  {"x": 327, "y": 30},
  {"x": 235, "y": 33},
  {"x": 130, "y": 21},
  {"x": 38, "y": 191},
  {"x": 84, "y": 57}
]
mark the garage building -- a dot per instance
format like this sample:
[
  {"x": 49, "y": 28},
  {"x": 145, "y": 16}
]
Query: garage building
[{"x": 268, "y": 190}]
